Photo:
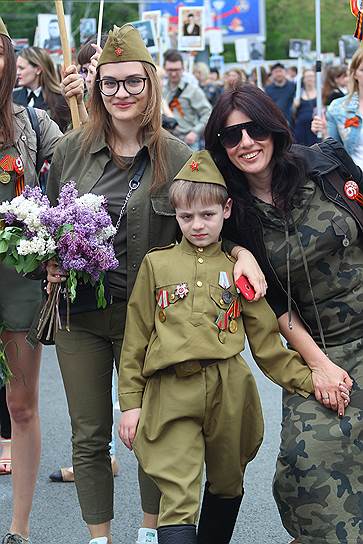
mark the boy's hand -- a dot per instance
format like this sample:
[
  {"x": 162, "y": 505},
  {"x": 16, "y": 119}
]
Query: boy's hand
[
  {"x": 247, "y": 265},
  {"x": 128, "y": 425},
  {"x": 332, "y": 386}
]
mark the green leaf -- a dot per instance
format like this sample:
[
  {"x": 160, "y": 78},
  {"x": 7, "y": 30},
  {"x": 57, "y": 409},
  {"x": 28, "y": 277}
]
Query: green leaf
[
  {"x": 63, "y": 229},
  {"x": 72, "y": 285},
  {"x": 100, "y": 292},
  {"x": 3, "y": 246}
]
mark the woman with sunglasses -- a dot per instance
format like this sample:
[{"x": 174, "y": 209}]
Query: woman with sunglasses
[
  {"x": 287, "y": 210},
  {"x": 124, "y": 154}
]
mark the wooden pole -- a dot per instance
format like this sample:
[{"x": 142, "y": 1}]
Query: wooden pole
[
  {"x": 73, "y": 106},
  {"x": 100, "y": 19}
]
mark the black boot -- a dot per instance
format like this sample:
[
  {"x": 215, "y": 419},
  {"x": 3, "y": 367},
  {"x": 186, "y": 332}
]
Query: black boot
[
  {"x": 177, "y": 534},
  {"x": 217, "y": 518}
]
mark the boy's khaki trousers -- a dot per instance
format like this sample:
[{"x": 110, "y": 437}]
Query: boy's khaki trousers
[{"x": 213, "y": 416}]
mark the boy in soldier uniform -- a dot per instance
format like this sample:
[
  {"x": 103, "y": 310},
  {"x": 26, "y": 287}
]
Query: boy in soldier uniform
[{"x": 184, "y": 386}]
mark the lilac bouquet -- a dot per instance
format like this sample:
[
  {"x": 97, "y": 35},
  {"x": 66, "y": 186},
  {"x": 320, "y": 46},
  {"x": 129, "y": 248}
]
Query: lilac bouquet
[{"x": 78, "y": 233}]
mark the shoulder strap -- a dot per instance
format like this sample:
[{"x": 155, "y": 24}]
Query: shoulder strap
[
  {"x": 34, "y": 121},
  {"x": 178, "y": 92}
]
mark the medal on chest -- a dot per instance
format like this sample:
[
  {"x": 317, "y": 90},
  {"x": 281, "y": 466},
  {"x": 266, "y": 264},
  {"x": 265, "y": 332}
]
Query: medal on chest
[{"x": 11, "y": 164}]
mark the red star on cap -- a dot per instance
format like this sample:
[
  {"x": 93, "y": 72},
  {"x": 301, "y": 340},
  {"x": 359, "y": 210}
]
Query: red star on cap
[
  {"x": 194, "y": 165},
  {"x": 118, "y": 51}
]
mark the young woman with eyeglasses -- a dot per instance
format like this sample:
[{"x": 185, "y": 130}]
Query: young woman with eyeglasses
[
  {"x": 308, "y": 242},
  {"x": 123, "y": 137}
]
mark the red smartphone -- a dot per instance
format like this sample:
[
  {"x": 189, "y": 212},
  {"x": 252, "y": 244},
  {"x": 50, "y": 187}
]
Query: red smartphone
[{"x": 245, "y": 287}]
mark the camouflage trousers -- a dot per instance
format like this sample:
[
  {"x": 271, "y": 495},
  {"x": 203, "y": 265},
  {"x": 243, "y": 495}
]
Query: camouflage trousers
[{"x": 318, "y": 484}]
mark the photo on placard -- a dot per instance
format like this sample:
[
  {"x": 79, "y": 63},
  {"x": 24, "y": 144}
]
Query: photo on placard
[
  {"x": 148, "y": 34},
  {"x": 256, "y": 50},
  {"x": 154, "y": 16},
  {"x": 299, "y": 48},
  {"x": 191, "y": 33},
  {"x": 347, "y": 46},
  {"x": 48, "y": 31},
  {"x": 87, "y": 28}
]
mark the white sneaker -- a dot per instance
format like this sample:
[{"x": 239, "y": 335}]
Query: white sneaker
[
  {"x": 99, "y": 540},
  {"x": 147, "y": 536}
]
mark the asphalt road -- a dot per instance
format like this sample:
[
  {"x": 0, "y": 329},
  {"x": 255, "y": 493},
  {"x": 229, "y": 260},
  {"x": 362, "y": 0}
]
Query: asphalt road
[{"x": 56, "y": 516}]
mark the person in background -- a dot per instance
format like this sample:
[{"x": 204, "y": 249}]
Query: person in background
[
  {"x": 291, "y": 73},
  {"x": 281, "y": 90},
  {"x": 188, "y": 103},
  {"x": 20, "y": 297},
  {"x": 233, "y": 78},
  {"x": 211, "y": 90},
  {"x": 303, "y": 110},
  {"x": 344, "y": 116},
  {"x": 53, "y": 42},
  {"x": 214, "y": 76},
  {"x": 335, "y": 83},
  {"x": 39, "y": 85},
  {"x": 253, "y": 76}
]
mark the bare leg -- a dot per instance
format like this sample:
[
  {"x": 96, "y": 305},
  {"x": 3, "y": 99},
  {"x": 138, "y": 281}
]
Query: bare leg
[
  {"x": 150, "y": 521},
  {"x": 101, "y": 529},
  {"x": 22, "y": 398}
]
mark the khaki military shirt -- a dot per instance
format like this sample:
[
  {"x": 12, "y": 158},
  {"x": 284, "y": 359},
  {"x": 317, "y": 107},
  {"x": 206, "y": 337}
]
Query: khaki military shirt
[{"x": 186, "y": 329}]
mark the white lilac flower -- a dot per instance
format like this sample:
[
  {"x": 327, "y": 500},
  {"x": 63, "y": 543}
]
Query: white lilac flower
[{"x": 91, "y": 201}]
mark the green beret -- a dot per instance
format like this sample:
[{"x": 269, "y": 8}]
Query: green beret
[
  {"x": 125, "y": 45},
  {"x": 201, "y": 168},
  {"x": 3, "y": 29}
]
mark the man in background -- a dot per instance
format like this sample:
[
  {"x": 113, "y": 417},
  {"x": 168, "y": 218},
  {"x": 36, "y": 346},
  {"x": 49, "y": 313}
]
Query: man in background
[{"x": 281, "y": 90}]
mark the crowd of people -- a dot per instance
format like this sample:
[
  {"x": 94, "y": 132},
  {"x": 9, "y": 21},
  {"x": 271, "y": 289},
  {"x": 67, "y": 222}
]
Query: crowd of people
[{"x": 208, "y": 180}]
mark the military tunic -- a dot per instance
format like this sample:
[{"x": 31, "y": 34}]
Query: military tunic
[
  {"x": 318, "y": 482},
  {"x": 175, "y": 322},
  {"x": 20, "y": 297}
]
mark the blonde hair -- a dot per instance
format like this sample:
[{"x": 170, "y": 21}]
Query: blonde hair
[
  {"x": 185, "y": 193},
  {"x": 241, "y": 78},
  {"x": 357, "y": 60},
  {"x": 100, "y": 122}
]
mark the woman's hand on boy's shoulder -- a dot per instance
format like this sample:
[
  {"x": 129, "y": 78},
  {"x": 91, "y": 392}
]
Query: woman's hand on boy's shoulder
[{"x": 128, "y": 425}]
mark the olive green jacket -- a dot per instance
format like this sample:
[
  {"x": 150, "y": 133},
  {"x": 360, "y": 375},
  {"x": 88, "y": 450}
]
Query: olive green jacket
[
  {"x": 26, "y": 141},
  {"x": 186, "y": 329},
  {"x": 150, "y": 217}
]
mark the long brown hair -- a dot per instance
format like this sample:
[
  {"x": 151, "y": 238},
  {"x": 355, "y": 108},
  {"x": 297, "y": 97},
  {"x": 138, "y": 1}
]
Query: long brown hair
[
  {"x": 100, "y": 122},
  {"x": 7, "y": 83},
  {"x": 49, "y": 82},
  {"x": 330, "y": 84}
]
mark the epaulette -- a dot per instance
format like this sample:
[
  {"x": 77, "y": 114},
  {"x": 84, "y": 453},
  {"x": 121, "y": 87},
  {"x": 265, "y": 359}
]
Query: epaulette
[{"x": 161, "y": 247}]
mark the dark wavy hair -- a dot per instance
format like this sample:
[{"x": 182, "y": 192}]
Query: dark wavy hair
[
  {"x": 288, "y": 170},
  {"x": 7, "y": 84}
]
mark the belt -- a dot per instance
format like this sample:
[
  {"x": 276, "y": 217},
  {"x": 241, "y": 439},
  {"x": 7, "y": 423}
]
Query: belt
[{"x": 188, "y": 368}]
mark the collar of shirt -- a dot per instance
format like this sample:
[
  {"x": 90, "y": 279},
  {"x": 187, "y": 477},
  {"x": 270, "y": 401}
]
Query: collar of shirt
[
  {"x": 210, "y": 251},
  {"x": 36, "y": 91},
  {"x": 99, "y": 143}
]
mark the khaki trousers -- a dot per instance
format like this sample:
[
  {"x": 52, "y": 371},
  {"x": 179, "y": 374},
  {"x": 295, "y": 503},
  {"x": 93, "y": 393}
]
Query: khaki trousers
[
  {"x": 87, "y": 355},
  {"x": 213, "y": 416}
]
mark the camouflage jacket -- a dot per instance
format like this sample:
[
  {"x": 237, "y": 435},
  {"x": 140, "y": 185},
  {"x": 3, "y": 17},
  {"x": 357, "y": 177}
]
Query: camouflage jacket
[{"x": 319, "y": 166}]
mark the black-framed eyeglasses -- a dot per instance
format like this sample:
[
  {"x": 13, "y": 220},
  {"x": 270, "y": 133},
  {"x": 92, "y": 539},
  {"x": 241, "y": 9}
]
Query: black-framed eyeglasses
[
  {"x": 133, "y": 85},
  {"x": 231, "y": 136}
]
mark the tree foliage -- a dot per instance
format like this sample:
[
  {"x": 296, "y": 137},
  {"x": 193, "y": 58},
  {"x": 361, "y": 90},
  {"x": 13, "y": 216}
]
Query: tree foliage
[{"x": 287, "y": 19}]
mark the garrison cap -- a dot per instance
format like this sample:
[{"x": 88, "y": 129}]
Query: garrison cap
[
  {"x": 125, "y": 45},
  {"x": 3, "y": 29},
  {"x": 201, "y": 168}
]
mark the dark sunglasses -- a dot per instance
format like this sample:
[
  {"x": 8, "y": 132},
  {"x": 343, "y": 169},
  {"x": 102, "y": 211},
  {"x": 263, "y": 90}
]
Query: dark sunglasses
[{"x": 231, "y": 136}]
